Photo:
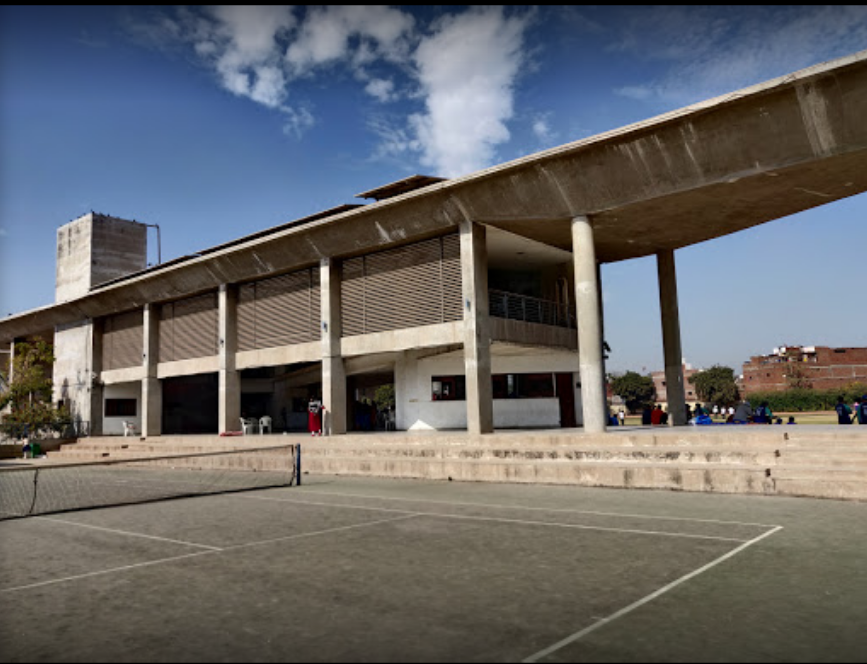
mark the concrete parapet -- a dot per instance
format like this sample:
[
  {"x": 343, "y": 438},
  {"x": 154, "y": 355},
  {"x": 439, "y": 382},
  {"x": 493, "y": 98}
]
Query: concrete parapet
[{"x": 826, "y": 462}]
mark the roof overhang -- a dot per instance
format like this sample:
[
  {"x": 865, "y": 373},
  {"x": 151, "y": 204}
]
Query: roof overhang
[{"x": 701, "y": 172}]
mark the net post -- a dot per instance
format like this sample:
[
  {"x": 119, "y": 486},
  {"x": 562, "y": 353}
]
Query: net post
[
  {"x": 35, "y": 491},
  {"x": 298, "y": 464}
]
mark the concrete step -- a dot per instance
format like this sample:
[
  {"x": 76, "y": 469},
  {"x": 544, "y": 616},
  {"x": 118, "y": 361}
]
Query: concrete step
[
  {"x": 824, "y": 462},
  {"x": 564, "y": 453},
  {"x": 696, "y": 477}
]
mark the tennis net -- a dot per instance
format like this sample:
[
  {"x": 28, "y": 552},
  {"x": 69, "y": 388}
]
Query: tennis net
[{"x": 53, "y": 488}]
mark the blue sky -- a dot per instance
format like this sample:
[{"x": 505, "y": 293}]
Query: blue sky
[{"x": 219, "y": 122}]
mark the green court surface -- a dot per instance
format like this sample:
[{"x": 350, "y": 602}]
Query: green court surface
[{"x": 345, "y": 569}]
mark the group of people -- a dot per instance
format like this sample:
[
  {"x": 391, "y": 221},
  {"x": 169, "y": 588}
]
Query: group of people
[{"x": 849, "y": 415}]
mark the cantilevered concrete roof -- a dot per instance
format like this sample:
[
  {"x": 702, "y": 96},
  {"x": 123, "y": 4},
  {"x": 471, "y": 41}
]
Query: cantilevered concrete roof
[{"x": 697, "y": 173}]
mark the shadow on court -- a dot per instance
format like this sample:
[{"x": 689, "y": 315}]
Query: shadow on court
[{"x": 377, "y": 570}]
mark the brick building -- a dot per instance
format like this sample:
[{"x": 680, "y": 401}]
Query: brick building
[
  {"x": 816, "y": 367},
  {"x": 688, "y": 388}
]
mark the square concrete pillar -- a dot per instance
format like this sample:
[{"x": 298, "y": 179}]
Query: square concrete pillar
[
  {"x": 333, "y": 370},
  {"x": 229, "y": 395},
  {"x": 477, "y": 335},
  {"x": 668, "y": 308},
  {"x": 151, "y": 388}
]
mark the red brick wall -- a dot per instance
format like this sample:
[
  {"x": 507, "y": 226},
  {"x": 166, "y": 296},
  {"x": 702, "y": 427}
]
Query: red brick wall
[{"x": 828, "y": 369}]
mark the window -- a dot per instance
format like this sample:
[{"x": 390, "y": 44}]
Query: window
[
  {"x": 449, "y": 388},
  {"x": 120, "y": 407},
  {"x": 504, "y": 386}
]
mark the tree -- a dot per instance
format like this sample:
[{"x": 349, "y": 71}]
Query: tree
[
  {"x": 637, "y": 391},
  {"x": 384, "y": 396},
  {"x": 28, "y": 393},
  {"x": 716, "y": 385},
  {"x": 797, "y": 377}
]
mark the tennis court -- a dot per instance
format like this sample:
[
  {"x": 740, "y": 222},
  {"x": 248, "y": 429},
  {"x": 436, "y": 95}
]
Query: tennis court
[{"x": 343, "y": 569}]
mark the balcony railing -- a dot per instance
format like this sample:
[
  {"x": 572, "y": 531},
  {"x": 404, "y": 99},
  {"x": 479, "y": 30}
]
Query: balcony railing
[{"x": 530, "y": 309}]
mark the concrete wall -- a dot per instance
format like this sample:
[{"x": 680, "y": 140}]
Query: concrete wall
[
  {"x": 416, "y": 410},
  {"x": 113, "y": 426},
  {"x": 73, "y": 368},
  {"x": 96, "y": 248}
]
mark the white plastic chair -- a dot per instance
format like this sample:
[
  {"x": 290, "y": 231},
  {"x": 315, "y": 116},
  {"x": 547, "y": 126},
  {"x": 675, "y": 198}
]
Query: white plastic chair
[
  {"x": 264, "y": 423},
  {"x": 128, "y": 428},
  {"x": 248, "y": 425}
]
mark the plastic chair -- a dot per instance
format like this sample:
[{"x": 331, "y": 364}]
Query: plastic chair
[
  {"x": 128, "y": 428},
  {"x": 248, "y": 425},
  {"x": 264, "y": 423}
]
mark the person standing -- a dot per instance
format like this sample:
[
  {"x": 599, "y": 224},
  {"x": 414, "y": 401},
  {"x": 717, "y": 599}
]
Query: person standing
[{"x": 314, "y": 416}]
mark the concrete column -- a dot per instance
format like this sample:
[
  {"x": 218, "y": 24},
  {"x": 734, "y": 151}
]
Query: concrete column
[
  {"x": 333, "y": 370},
  {"x": 674, "y": 387},
  {"x": 477, "y": 335},
  {"x": 96, "y": 397},
  {"x": 601, "y": 306},
  {"x": 10, "y": 374},
  {"x": 151, "y": 388},
  {"x": 229, "y": 395},
  {"x": 593, "y": 401}
]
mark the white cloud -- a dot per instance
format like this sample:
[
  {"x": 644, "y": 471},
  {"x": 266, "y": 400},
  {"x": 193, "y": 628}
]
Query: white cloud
[
  {"x": 467, "y": 69},
  {"x": 381, "y": 89},
  {"x": 328, "y": 34},
  {"x": 542, "y": 130},
  {"x": 463, "y": 69},
  {"x": 713, "y": 51}
]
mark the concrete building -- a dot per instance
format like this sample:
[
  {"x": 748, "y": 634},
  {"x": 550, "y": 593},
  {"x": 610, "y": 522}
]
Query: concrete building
[
  {"x": 688, "y": 371},
  {"x": 814, "y": 367},
  {"x": 478, "y": 297}
]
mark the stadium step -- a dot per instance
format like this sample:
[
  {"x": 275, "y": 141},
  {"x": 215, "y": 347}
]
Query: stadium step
[{"x": 772, "y": 460}]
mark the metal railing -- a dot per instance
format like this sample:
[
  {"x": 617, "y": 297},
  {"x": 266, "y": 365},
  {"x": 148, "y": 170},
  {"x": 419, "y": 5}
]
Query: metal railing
[{"x": 530, "y": 309}]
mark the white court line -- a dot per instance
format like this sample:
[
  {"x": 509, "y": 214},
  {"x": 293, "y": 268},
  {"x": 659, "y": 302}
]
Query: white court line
[
  {"x": 104, "y": 571},
  {"x": 126, "y": 532},
  {"x": 187, "y": 555},
  {"x": 319, "y": 532},
  {"x": 539, "y": 509},
  {"x": 628, "y": 609},
  {"x": 523, "y": 522}
]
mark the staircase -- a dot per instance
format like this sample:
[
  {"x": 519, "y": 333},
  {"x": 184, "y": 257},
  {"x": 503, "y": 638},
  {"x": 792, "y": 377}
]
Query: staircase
[{"x": 815, "y": 461}]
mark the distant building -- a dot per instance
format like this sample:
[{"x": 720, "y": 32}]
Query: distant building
[
  {"x": 815, "y": 367},
  {"x": 688, "y": 388}
]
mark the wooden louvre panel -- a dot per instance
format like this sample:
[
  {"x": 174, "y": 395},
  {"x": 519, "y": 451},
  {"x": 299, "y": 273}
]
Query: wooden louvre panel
[
  {"x": 246, "y": 312},
  {"x": 167, "y": 333},
  {"x": 352, "y": 296},
  {"x": 402, "y": 287},
  {"x": 279, "y": 311},
  {"x": 452, "y": 293},
  {"x": 122, "y": 340},
  {"x": 409, "y": 286},
  {"x": 188, "y": 328},
  {"x": 283, "y": 310}
]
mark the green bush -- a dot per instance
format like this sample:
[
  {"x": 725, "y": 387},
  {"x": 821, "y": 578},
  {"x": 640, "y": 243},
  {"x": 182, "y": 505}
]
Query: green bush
[{"x": 799, "y": 400}]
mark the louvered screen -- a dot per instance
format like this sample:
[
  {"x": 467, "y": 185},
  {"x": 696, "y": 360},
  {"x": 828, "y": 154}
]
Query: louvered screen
[
  {"x": 352, "y": 296},
  {"x": 167, "y": 333},
  {"x": 122, "y": 340},
  {"x": 451, "y": 278},
  {"x": 279, "y": 311},
  {"x": 410, "y": 286},
  {"x": 247, "y": 317},
  {"x": 188, "y": 328}
]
